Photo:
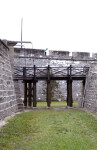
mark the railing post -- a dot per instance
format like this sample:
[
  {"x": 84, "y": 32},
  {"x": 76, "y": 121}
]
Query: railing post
[
  {"x": 48, "y": 73},
  {"x": 70, "y": 71},
  {"x": 67, "y": 71},
  {"x": 34, "y": 72},
  {"x": 24, "y": 72}
]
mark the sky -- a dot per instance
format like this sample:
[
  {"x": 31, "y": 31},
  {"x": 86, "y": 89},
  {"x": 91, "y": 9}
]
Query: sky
[{"x": 69, "y": 25}]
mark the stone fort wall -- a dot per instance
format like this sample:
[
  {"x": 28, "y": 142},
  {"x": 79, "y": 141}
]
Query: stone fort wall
[
  {"x": 8, "y": 102},
  {"x": 30, "y": 57},
  {"x": 91, "y": 90}
]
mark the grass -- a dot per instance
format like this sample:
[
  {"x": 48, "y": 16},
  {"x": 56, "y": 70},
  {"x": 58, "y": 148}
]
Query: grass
[
  {"x": 50, "y": 130},
  {"x": 56, "y": 104}
]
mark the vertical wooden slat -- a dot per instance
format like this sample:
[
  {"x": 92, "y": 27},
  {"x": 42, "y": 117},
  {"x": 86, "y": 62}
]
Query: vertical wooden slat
[
  {"x": 69, "y": 92},
  {"x": 24, "y": 72},
  {"x": 48, "y": 94},
  {"x": 34, "y": 94},
  {"x": 48, "y": 87},
  {"x": 25, "y": 93},
  {"x": 69, "y": 87},
  {"x": 83, "y": 92},
  {"x": 34, "y": 88},
  {"x": 30, "y": 95}
]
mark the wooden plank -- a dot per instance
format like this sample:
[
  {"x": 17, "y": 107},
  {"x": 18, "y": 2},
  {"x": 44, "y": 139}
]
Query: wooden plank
[
  {"x": 52, "y": 78},
  {"x": 34, "y": 95},
  {"x": 30, "y": 94},
  {"x": 48, "y": 94},
  {"x": 34, "y": 88},
  {"x": 48, "y": 87}
]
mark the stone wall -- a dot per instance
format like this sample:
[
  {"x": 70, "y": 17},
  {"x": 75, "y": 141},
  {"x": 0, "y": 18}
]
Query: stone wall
[
  {"x": 8, "y": 102},
  {"x": 91, "y": 90}
]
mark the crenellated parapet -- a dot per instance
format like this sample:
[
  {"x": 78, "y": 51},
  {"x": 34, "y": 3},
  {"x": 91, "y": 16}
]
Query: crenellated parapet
[
  {"x": 94, "y": 56},
  {"x": 54, "y": 54}
]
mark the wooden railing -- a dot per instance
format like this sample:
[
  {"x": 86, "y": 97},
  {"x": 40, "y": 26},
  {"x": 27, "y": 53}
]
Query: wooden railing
[{"x": 49, "y": 72}]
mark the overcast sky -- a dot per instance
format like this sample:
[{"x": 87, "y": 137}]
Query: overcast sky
[{"x": 54, "y": 24}]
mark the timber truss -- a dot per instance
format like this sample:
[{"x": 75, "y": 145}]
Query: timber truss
[{"x": 31, "y": 75}]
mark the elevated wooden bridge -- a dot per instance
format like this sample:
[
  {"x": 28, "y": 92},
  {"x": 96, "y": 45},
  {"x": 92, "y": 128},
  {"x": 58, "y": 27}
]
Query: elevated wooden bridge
[{"x": 31, "y": 75}]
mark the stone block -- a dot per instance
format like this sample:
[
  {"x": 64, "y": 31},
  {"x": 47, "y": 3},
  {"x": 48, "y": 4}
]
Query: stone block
[
  {"x": 61, "y": 54},
  {"x": 81, "y": 55}
]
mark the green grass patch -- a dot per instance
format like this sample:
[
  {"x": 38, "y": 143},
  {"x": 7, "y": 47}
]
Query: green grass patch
[
  {"x": 56, "y": 104},
  {"x": 50, "y": 130}
]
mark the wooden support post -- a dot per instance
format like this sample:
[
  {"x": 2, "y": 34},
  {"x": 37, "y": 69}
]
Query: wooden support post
[
  {"x": 69, "y": 92},
  {"x": 25, "y": 93},
  {"x": 48, "y": 94},
  {"x": 83, "y": 93},
  {"x": 83, "y": 84},
  {"x": 48, "y": 87},
  {"x": 34, "y": 88},
  {"x": 34, "y": 94},
  {"x": 30, "y": 94}
]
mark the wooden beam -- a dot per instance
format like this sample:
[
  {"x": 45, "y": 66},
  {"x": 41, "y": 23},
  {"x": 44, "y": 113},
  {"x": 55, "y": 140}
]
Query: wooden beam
[
  {"x": 48, "y": 94},
  {"x": 30, "y": 94},
  {"x": 25, "y": 93},
  {"x": 69, "y": 92},
  {"x": 48, "y": 87},
  {"x": 34, "y": 94}
]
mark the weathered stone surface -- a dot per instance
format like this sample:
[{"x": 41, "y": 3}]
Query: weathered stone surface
[
  {"x": 91, "y": 90},
  {"x": 81, "y": 55},
  {"x": 62, "y": 54},
  {"x": 8, "y": 102}
]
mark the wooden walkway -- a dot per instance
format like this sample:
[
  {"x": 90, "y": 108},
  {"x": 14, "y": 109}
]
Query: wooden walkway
[{"x": 31, "y": 75}]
